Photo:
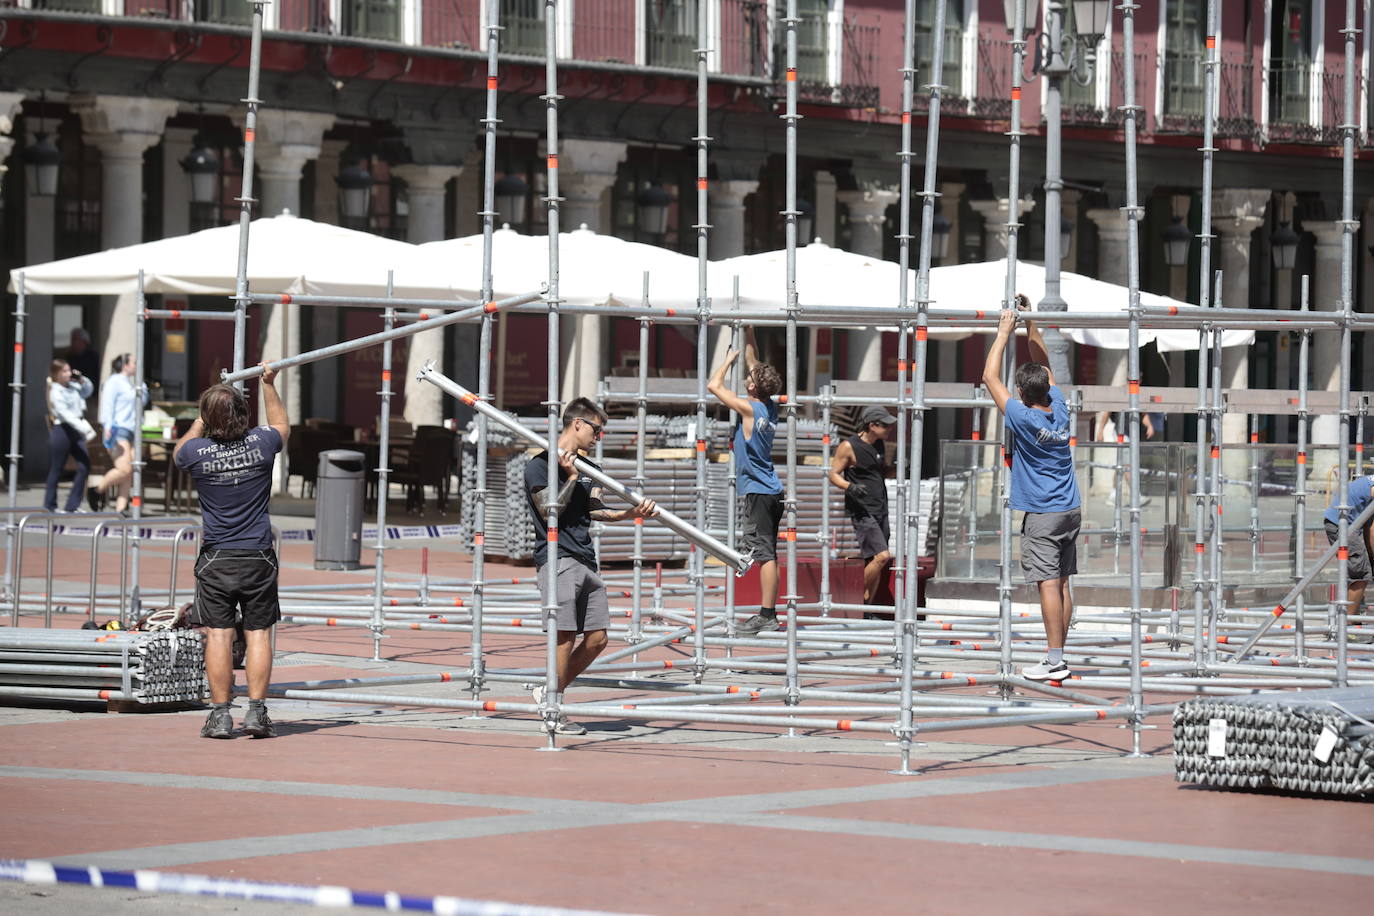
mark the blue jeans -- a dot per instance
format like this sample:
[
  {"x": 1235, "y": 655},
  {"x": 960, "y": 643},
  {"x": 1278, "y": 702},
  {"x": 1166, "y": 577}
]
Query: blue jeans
[{"x": 64, "y": 441}]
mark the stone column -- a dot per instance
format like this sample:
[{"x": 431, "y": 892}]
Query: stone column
[
  {"x": 9, "y": 110},
  {"x": 176, "y": 184},
  {"x": 867, "y": 210},
  {"x": 1236, "y": 214},
  {"x": 286, "y": 141},
  {"x": 425, "y": 194},
  {"x": 726, "y": 213},
  {"x": 122, "y": 128},
  {"x": 944, "y": 354},
  {"x": 586, "y": 171},
  {"x": 826, "y": 193},
  {"x": 1326, "y": 344}
]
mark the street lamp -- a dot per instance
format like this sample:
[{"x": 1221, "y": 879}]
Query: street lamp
[
  {"x": 355, "y": 192},
  {"x": 1057, "y": 57},
  {"x": 1009, "y": 16},
  {"x": 202, "y": 165},
  {"x": 42, "y": 159},
  {"x": 511, "y": 192},
  {"x": 653, "y": 203},
  {"x": 1285, "y": 247},
  {"x": 1177, "y": 241}
]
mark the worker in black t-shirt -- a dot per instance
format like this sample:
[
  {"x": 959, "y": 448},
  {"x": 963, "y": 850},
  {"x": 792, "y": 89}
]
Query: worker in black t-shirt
[{"x": 859, "y": 468}]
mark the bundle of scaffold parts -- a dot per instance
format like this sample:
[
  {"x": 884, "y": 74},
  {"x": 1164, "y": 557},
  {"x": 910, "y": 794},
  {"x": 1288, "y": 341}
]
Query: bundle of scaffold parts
[
  {"x": 1318, "y": 741},
  {"x": 103, "y": 665}
]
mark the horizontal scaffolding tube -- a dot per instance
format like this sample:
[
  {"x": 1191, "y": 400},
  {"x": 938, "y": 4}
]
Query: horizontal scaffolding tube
[
  {"x": 373, "y": 340},
  {"x": 698, "y": 537}
]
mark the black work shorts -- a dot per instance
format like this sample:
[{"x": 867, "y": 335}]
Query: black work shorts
[
  {"x": 872, "y": 533},
  {"x": 762, "y": 513},
  {"x": 228, "y": 580}
]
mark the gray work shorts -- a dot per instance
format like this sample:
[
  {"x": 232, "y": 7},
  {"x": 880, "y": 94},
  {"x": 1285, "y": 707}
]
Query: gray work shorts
[
  {"x": 873, "y": 535},
  {"x": 1049, "y": 544},
  {"x": 1358, "y": 565},
  {"x": 582, "y": 605}
]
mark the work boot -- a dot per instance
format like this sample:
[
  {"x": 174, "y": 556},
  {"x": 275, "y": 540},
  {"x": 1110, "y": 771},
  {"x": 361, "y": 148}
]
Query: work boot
[
  {"x": 220, "y": 722},
  {"x": 256, "y": 721}
]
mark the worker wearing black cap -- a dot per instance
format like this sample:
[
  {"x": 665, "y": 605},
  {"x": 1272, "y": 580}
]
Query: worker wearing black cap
[{"x": 859, "y": 468}]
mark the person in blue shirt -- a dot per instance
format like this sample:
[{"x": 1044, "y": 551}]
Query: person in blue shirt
[
  {"x": 1043, "y": 485},
  {"x": 1360, "y": 494},
  {"x": 758, "y": 479},
  {"x": 231, "y": 464},
  {"x": 118, "y": 412}
]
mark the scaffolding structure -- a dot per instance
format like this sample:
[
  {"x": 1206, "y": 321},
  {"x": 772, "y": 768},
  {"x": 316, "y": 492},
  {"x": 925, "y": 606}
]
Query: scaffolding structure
[{"x": 883, "y": 677}]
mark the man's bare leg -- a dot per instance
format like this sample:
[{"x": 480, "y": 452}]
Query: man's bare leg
[
  {"x": 1054, "y": 609},
  {"x": 219, "y": 663},
  {"x": 577, "y": 659},
  {"x": 258, "y": 662},
  {"x": 873, "y": 574},
  {"x": 768, "y": 584}
]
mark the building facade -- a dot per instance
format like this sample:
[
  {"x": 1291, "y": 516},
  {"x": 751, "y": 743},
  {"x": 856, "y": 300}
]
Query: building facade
[{"x": 126, "y": 90}]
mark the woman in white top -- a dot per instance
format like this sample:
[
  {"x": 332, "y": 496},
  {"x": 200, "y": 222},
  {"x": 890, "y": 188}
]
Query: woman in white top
[
  {"x": 67, "y": 394},
  {"x": 117, "y": 420}
]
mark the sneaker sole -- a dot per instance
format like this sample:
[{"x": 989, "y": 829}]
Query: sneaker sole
[
  {"x": 217, "y": 735},
  {"x": 1041, "y": 678}
]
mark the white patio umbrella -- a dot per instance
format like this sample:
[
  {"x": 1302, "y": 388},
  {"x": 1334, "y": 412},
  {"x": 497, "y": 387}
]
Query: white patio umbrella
[
  {"x": 593, "y": 270},
  {"x": 825, "y": 276},
  {"x": 982, "y": 285},
  {"x": 829, "y": 276},
  {"x": 284, "y": 250}
]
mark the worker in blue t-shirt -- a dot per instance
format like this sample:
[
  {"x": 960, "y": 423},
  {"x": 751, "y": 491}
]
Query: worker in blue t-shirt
[
  {"x": 1359, "y": 495},
  {"x": 758, "y": 479},
  {"x": 1043, "y": 485}
]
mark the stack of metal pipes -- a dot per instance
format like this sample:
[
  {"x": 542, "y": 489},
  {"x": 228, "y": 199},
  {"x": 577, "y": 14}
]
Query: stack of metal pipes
[
  {"x": 162, "y": 667},
  {"x": 1316, "y": 741}
]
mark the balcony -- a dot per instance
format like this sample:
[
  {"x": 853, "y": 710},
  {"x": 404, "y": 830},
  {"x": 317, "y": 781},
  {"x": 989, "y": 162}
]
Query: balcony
[
  {"x": 1080, "y": 108},
  {"x": 857, "y": 64},
  {"x": 991, "y": 97},
  {"x": 953, "y": 99},
  {"x": 1184, "y": 89}
]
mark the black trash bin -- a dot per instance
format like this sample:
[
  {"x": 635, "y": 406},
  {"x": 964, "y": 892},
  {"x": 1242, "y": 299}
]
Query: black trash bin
[{"x": 339, "y": 510}]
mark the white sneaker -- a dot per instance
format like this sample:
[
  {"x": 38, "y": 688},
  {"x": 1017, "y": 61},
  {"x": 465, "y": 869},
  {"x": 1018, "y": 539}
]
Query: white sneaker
[
  {"x": 1047, "y": 671},
  {"x": 568, "y": 727}
]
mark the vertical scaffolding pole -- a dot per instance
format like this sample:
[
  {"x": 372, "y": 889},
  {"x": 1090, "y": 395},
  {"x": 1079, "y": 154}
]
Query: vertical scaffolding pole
[
  {"x": 702, "y": 228},
  {"x": 1349, "y": 226},
  {"x": 16, "y": 423},
  {"x": 826, "y": 393},
  {"x": 910, "y": 598},
  {"x": 378, "y": 622},
  {"x": 553, "y": 701},
  {"x": 477, "y": 672},
  {"x": 641, "y": 429},
  {"x": 1206, "y": 425},
  {"x": 732, "y": 514},
  {"x": 1300, "y": 491},
  {"x": 1134, "y": 213},
  {"x": 245, "y": 199},
  {"x": 134, "y": 608},
  {"x": 1003, "y": 493},
  {"x": 790, "y": 118},
  {"x": 1218, "y": 540}
]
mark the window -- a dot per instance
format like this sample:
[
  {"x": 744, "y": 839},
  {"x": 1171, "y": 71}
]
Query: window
[
  {"x": 1185, "y": 37},
  {"x": 372, "y": 19},
  {"x": 227, "y": 12},
  {"x": 522, "y": 22},
  {"x": 671, "y": 33},
  {"x": 953, "y": 60},
  {"x": 813, "y": 41},
  {"x": 1290, "y": 63}
]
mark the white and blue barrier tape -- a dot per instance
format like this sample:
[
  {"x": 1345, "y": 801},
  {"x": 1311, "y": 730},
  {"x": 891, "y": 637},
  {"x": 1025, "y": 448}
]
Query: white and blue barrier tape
[
  {"x": 167, "y": 533},
  {"x": 38, "y": 872}
]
